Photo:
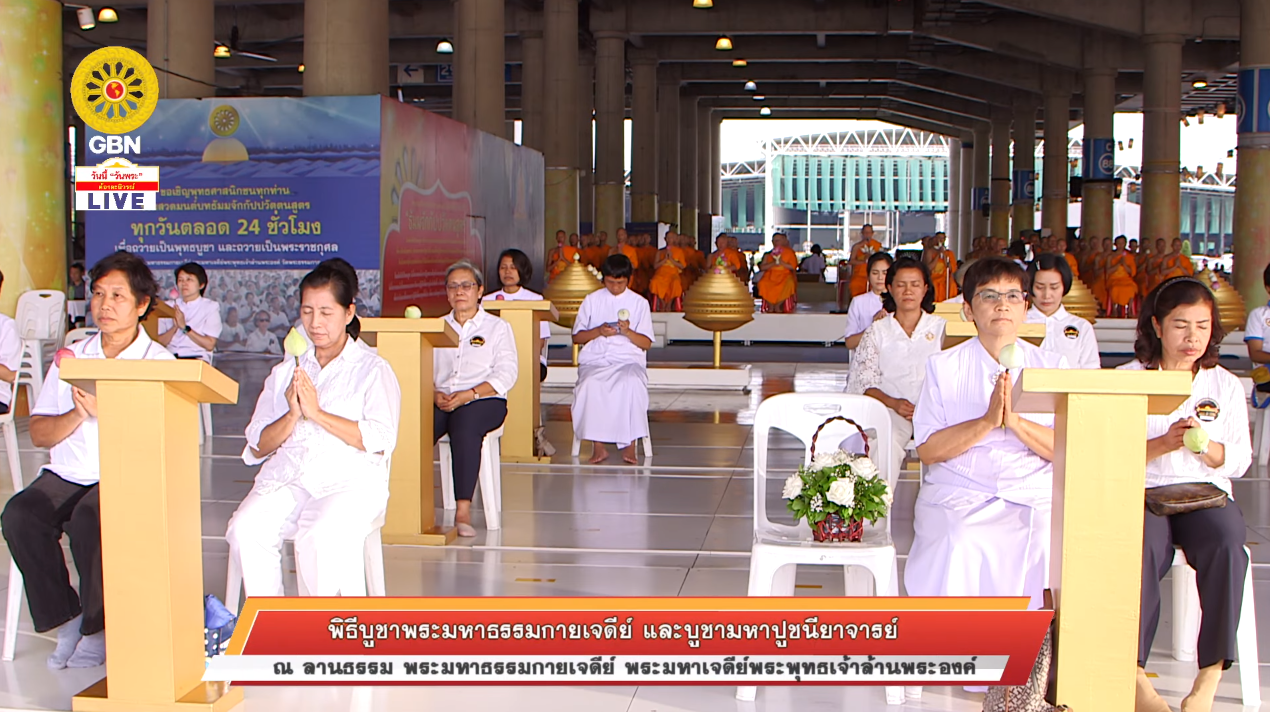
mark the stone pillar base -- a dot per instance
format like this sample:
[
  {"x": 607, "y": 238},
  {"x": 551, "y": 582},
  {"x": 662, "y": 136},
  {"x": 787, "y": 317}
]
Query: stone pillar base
[
  {"x": 687, "y": 221},
  {"x": 1024, "y": 218},
  {"x": 560, "y": 206},
  {"x": 1096, "y": 215},
  {"x": 643, "y": 207},
  {"x": 1161, "y": 192},
  {"x": 669, "y": 214},
  {"x": 1054, "y": 215},
  {"x": 610, "y": 208}
]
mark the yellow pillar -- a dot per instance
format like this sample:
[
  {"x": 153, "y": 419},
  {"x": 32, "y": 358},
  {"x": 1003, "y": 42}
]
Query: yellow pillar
[
  {"x": 1252, "y": 196},
  {"x": 523, "y": 402},
  {"x": 33, "y": 202},
  {"x": 152, "y": 566}
]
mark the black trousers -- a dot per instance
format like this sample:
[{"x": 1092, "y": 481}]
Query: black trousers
[
  {"x": 467, "y": 426},
  {"x": 33, "y": 523},
  {"x": 1213, "y": 541}
]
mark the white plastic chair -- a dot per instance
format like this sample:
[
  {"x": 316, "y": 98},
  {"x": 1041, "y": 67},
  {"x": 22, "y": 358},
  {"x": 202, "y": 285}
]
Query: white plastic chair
[
  {"x": 491, "y": 477},
  {"x": 41, "y": 315},
  {"x": 1261, "y": 437},
  {"x": 30, "y": 372},
  {"x": 647, "y": 442},
  {"x": 14, "y": 606},
  {"x": 74, "y": 336},
  {"x": 779, "y": 548},
  {"x": 1186, "y": 618}
]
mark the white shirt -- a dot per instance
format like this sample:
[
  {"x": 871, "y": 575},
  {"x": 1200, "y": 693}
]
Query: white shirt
[
  {"x": 262, "y": 342},
  {"x": 234, "y": 337},
  {"x": 1069, "y": 335},
  {"x": 813, "y": 264},
  {"x": 1258, "y": 325},
  {"x": 603, "y": 307},
  {"x": 861, "y": 312},
  {"x": 958, "y": 387},
  {"x": 486, "y": 352},
  {"x": 357, "y": 385},
  {"x": 523, "y": 295},
  {"x": 894, "y": 362},
  {"x": 10, "y": 354},
  {"x": 1218, "y": 402},
  {"x": 77, "y": 458},
  {"x": 279, "y": 320},
  {"x": 201, "y": 315}
]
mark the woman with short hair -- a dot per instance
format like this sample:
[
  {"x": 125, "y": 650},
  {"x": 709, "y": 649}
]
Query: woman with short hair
[
  {"x": 195, "y": 324},
  {"x": 514, "y": 271},
  {"x": 1065, "y": 333},
  {"x": 1180, "y": 330},
  {"x": 471, "y": 383},
  {"x": 867, "y": 308},
  {"x": 64, "y": 496}
]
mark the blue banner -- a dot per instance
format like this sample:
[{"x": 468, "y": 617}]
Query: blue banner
[
  {"x": 261, "y": 183},
  {"x": 1253, "y": 103},
  {"x": 1099, "y": 160},
  {"x": 1023, "y": 187},
  {"x": 980, "y": 198}
]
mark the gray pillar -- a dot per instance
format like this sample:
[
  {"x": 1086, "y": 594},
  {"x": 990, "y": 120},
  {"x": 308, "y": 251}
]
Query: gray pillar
[
  {"x": 1098, "y": 169},
  {"x": 1161, "y": 138},
  {"x": 178, "y": 38},
  {"x": 716, "y": 166},
  {"x": 560, "y": 116},
  {"x": 688, "y": 164},
  {"x": 954, "y": 195},
  {"x": 982, "y": 181},
  {"x": 1023, "y": 180},
  {"x": 966, "y": 229},
  {"x": 532, "y": 129},
  {"x": 705, "y": 186},
  {"x": 1055, "y": 188},
  {"x": 1252, "y": 196},
  {"x": 668, "y": 146},
  {"x": 644, "y": 141},
  {"x": 585, "y": 127},
  {"x": 345, "y": 47},
  {"x": 610, "y": 136},
  {"x": 480, "y": 74},
  {"x": 999, "y": 222}
]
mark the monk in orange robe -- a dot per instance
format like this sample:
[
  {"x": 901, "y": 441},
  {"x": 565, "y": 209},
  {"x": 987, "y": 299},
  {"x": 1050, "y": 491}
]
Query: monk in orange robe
[
  {"x": 624, "y": 247},
  {"x": 1122, "y": 287},
  {"x": 860, "y": 254},
  {"x": 647, "y": 258},
  {"x": 731, "y": 257},
  {"x": 560, "y": 257},
  {"x": 778, "y": 277},
  {"x": 1176, "y": 264},
  {"x": 666, "y": 287},
  {"x": 942, "y": 266},
  {"x": 1098, "y": 272}
]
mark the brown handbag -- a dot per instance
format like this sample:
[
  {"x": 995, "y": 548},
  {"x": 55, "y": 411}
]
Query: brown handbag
[
  {"x": 1187, "y": 497},
  {"x": 1038, "y": 693}
]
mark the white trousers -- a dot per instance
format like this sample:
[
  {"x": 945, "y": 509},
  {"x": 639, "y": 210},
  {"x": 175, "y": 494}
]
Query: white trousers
[
  {"x": 901, "y": 434},
  {"x": 329, "y": 533}
]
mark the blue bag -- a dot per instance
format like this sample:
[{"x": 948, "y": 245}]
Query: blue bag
[{"x": 218, "y": 626}]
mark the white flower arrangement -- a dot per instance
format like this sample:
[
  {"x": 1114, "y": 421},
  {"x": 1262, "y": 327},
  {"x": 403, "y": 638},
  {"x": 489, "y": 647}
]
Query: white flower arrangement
[{"x": 840, "y": 483}]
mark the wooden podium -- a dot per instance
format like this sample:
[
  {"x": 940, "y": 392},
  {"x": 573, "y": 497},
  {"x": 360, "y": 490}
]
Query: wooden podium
[
  {"x": 1096, "y": 545},
  {"x": 151, "y": 532},
  {"x": 161, "y": 310},
  {"x": 523, "y": 412},
  {"x": 406, "y": 344}
]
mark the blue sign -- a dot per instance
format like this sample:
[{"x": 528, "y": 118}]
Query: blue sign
[
  {"x": 1023, "y": 187},
  {"x": 1253, "y": 103},
  {"x": 1099, "y": 159},
  {"x": 980, "y": 198}
]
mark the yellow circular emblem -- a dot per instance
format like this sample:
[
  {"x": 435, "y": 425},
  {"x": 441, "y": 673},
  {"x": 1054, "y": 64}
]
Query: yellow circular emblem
[
  {"x": 114, "y": 90},
  {"x": 224, "y": 121}
]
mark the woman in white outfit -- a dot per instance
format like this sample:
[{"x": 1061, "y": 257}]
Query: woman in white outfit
[
  {"x": 196, "y": 322},
  {"x": 1065, "y": 333},
  {"x": 890, "y": 362},
  {"x": 323, "y": 431},
  {"x": 867, "y": 308},
  {"x": 1179, "y": 330},
  {"x": 514, "y": 270}
]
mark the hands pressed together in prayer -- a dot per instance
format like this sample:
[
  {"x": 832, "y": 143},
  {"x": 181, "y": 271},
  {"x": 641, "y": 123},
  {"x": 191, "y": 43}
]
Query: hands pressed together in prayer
[
  {"x": 1000, "y": 408},
  {"x": 85, "y": 403}
]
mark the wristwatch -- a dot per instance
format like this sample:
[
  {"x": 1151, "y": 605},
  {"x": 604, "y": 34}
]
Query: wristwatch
[{"x": 186, "y": 329}]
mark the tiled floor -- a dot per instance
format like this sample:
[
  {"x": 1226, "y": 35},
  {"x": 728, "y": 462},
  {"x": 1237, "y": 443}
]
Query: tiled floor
[{"x": 680, "y": 527}]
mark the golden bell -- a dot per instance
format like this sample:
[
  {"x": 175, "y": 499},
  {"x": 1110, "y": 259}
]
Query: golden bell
[
  {"x": 1080, "y": 301},
  {"x": 718, "y": 301},
  {"x": 568, "y": 290},
  {"x": 1230, "y": 306}
]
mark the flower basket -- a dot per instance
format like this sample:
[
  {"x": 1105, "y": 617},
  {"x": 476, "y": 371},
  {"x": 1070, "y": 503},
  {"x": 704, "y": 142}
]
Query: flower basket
[{"x": 838, "y": 491}]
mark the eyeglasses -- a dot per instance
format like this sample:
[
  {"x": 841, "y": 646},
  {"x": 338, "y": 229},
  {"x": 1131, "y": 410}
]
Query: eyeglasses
[
  {"x": 460, "y": 287},
  {"x": 1013, "y": 297}
]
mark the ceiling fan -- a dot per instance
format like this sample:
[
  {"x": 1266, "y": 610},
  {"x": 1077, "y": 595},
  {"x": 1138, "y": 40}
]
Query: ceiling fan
[{"x": 231, "y": 48}]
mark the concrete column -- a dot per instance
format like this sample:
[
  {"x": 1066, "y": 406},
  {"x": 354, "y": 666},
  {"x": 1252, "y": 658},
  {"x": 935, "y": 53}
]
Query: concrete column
[
  {"x": 1099, "y": 162},
  {"x": 345, "y": 47},
  {"x": 1024, "y": 177},
  {"x": 33, "y": 237},
  {"x": 954, "y": 194},
  {"x": 965, "y": 197},
  {"x": 716, "y": 166},
  {"x": 1055, "y": 189},
  {"x": 1252, "y": 196},
  {"x": 586, "y": 139},
  {"x": 644, "y": 141},
  {"x": 705, "y": 184},
  {"x": 479, "y": 71},
  {"x": 1000, "y": 220},
  {"x": 688, "y": 165},
  {"x": 668, "y": 147},
  {"x": 1161, "y": 138},
  {"x": 610, "y": 136},
  {"x": 179, "y": 34},
  {"x": 532, "y": 129},
  {"x": 980, "y": 186},
  {"x": 560, "y": 116}
]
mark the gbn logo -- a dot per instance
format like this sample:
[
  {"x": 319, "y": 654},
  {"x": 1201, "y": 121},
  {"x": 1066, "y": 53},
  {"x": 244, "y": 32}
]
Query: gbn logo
[{"x": 115, "y": 145}]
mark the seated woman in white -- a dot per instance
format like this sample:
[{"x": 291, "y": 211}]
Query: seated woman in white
[
  {"x": 1065, "y": 333},
  {"x": 982, "y": 518},
  {"x": 890, "y": 362},
  {"x": 233, "y": 335},
  {"x": 471, "y": 383},
  {"x": 514, "y": 270},
  {"x": 1179, "y": 330},
  {"x": 64, "y": 496},
  {"x": 323, "y": 431},
  {"x": 867, "y": 308},
  {"x": 615, "y": 328},
  {"x": 196, "y": 324}
]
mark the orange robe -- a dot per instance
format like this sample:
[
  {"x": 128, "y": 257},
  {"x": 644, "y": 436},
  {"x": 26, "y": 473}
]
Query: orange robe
[
  {"x": 860, "y": 265},
  {"x": 1098, "y": 276},
  {"x": 567, "y": 254},
  {"x": 1071, "y": 262},
  {"x": 1121, "y": 285},
  {"x": 597, "y": 255},
  {"x": 636, "y": 282},
  {"x": 666, "y": 283},
  {"x": 776, "y": 285},
  {"x": 941, "y": 275},
  {"x": 1176, "y": 265},
  {"x": 734, "y": 260}
]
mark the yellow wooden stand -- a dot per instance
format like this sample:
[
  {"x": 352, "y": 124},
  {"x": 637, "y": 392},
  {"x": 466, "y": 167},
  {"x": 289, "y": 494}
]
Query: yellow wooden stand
[
  {"x": 523, "y": 412},
  {"x": 958, "y": 331},
  {"x": 151, "y": 532},
  {"x": 1096, "y": 545},
  {"x": 406, "y": 344}
]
